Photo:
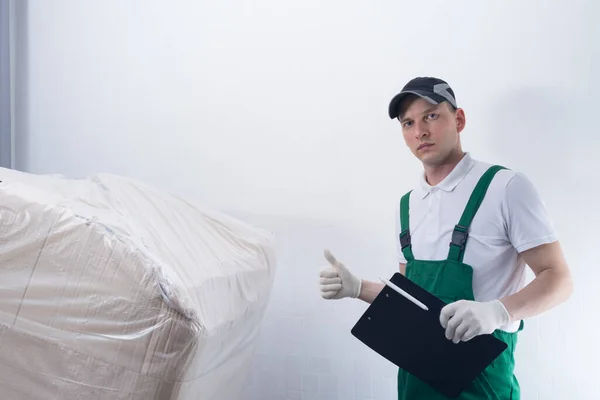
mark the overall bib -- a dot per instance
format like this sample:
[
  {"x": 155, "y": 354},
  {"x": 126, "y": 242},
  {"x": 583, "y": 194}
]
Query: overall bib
[{"x": 451, "y": 280}]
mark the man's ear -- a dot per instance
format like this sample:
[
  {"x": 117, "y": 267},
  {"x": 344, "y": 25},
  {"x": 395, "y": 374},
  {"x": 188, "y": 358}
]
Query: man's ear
[{"x": 461, "y": 119}]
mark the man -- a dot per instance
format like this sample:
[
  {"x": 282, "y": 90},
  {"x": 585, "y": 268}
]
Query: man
[{"x": 466, "y": 234}]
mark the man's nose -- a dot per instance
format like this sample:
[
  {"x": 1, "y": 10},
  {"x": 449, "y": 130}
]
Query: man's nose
[{"x": 420, "y": 130}]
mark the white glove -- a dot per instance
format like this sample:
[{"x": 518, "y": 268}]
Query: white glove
[
  {"x": 465, "y": 319},
  {"x": 336, "y": 281}
]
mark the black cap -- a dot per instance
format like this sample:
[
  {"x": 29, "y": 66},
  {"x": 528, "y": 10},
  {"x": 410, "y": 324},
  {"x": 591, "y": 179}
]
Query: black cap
[{"x": 434, "y": 90}]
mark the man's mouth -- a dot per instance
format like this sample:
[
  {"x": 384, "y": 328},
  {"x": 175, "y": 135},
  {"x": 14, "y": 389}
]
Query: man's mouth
[{"x": 425, "y": 145}]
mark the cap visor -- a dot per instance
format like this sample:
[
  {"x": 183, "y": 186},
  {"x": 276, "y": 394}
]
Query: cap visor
[{"x": 395, "y": 103}]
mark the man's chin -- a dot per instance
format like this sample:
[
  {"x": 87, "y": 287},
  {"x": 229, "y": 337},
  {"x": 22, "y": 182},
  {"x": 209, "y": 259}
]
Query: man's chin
[
  {"x": 430, "y": 158},
  {"x": 434, "y": 160}
]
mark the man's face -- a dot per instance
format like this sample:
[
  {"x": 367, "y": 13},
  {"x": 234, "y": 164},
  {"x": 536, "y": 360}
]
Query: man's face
[{"x": 431, "y": 131}]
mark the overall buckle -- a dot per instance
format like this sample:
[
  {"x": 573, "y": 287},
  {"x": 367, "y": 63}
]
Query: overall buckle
[
  {"x": 405, "y": 239},
  {"x": 459, "y": 236}
]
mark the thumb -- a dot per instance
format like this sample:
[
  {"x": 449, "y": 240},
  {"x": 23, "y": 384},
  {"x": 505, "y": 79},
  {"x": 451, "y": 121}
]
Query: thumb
[
  {"x": 447, "y": 313},
  {"x": 331, "y": 259}
]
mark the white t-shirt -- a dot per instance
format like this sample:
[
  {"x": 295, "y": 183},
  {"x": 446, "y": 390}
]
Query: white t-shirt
[{"x": 511, "y": 219}]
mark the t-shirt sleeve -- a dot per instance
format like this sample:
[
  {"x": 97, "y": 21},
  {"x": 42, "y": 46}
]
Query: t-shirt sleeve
[
  {"x": 528, "y": 223},
  {"x": 399, "y": 255}
]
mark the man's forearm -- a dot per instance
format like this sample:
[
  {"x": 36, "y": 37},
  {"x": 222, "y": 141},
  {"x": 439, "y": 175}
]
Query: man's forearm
[
  {"x": 548, "y": 289},
  {"x": 369, "y": 290}
]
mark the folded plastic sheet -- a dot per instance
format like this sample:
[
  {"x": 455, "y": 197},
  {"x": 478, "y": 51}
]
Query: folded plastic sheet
[{"x": 111, "y": 289}]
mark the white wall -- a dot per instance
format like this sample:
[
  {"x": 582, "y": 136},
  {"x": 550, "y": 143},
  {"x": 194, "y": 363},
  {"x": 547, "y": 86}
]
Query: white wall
[{"x": 276, "y": 111}]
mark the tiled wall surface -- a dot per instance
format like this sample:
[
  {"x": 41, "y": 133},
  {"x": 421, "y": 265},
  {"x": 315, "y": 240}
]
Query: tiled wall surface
[
  {"x": 296, "y": 361},
  {"x": 306, "y": 350}
]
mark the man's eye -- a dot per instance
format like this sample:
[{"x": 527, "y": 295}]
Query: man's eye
[
  {"x": 433, "y": 116},
  {"x": 407, "y": 124}
]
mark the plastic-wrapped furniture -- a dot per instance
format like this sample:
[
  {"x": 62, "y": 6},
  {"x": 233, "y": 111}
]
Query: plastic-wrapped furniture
[{"x": 111, "y": 289}]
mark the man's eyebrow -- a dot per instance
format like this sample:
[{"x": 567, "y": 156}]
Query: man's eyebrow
[{"x": 430, "y": 109}]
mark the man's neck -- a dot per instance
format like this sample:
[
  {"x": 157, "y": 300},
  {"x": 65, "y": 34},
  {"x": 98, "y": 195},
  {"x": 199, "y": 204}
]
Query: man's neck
[{"x": 434, "y": 174}]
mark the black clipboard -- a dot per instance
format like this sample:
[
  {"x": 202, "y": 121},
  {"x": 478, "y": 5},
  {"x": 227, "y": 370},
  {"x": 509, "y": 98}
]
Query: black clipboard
[{"x": 414, "y": 340}]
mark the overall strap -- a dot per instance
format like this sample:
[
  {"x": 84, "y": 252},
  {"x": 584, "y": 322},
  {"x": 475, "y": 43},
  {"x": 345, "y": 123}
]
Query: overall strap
[
  {"x": 405, "y": 228},
  {"x": 461, "y": 231}
]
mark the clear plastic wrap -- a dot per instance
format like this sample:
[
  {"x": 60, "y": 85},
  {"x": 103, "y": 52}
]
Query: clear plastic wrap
[{"x": 111, "y": 289}]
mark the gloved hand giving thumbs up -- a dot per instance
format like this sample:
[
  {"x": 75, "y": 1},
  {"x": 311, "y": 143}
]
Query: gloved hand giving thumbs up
[{"x": 336, "y": 280}]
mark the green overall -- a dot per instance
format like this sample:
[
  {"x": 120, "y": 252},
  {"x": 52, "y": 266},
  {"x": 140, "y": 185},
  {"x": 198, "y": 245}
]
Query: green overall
[{"x": 451, "y": 280}]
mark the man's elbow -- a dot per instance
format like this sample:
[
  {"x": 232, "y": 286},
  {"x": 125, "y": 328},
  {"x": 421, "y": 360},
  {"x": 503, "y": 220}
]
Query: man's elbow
[
  {"x": 569, "y": 285},
  {"x": 565, "y": 285}
]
